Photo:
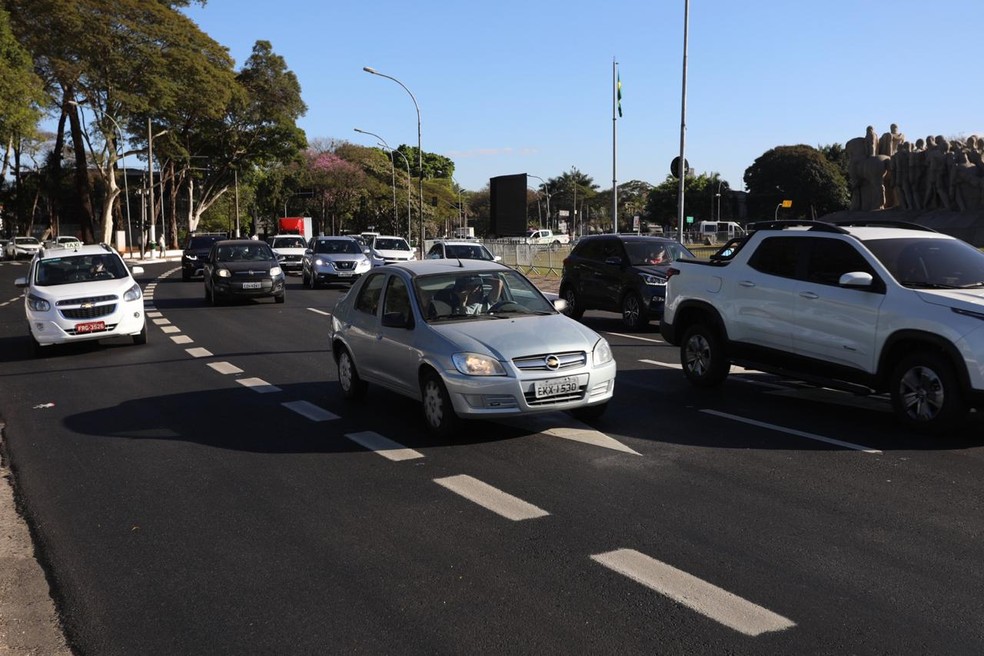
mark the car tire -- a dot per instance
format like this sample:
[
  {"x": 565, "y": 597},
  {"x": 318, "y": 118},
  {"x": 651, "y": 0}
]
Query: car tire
[
  {"x": 304, "y": 278},
  {"x": 573, "y": 309},
  {"x": 555, "y": 246},
  {"x": 353, "y": 387},
  {"x": 313, "y": 283},
  {"x": 926, "y": 395},
  {"x": 280, "y": 298},
  {"x": 185, "y": 276},
  {"x": 439, "y": 414},
  {"x": 213, "y": 298},
  {"x": 703, "y": 357},
  {"x": 590, "y": 412},
  {"x": 141, "y": 337},
  {"x": 633, "y": 314}
]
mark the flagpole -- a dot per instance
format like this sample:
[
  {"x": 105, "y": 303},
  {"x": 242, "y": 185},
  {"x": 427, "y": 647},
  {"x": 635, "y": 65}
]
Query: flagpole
[{"x": 615, "y": 100}]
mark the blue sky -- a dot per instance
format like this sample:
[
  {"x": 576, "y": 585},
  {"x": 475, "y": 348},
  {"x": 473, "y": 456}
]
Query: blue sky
[{"x": 526, "y": 87}]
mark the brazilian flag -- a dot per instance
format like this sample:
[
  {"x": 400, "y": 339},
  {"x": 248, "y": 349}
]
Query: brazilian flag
[{"x": 618, "y": 88}]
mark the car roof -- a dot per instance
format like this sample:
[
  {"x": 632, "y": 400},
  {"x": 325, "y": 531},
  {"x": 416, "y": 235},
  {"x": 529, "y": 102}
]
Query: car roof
[
  {"x": 335, "y": 238},
  {"x": 239, "y": 242},
  {"x": 427, "y": 267},
  {"x": 627, "y": 237},
  {"x": 85, "y": 249},
  {"x": 457, "y": 242}
]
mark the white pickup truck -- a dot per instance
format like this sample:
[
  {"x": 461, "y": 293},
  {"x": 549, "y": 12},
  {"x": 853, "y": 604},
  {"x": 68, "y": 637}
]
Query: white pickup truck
[
  {"x": 868, "y": 307},
  {"x": 546, "y": 238}
]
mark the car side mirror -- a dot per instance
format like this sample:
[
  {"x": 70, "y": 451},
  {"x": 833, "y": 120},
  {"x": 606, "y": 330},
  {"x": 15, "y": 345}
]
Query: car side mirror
[
  {"x": 397, "y": 320},
  {"x": 20, "y": 282},
  {"x": 137, "y": 270},
  {"x": 856, "y": 279},
  {"x": 560, "y": 304},
  {"x": 497, "y": 258}
]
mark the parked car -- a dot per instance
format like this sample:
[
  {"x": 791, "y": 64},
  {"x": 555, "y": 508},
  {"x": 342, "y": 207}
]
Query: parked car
[
  {"x": 290, "y": 251},
  {"x": 619, "y": 273},
  {"x": 464, "y": 250},
  {"x": 243, "y": 268},
  {"x": 393, "y": 249},
  {"x": 80, "y": 294},
  {"x": 22, "y": 247},
  {"x": 332, "y": 260},
  {"x": 434, "y": 331},
  {"x": 195, "y": 253}
]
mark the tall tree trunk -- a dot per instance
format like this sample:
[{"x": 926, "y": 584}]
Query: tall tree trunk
[
  {"x": 174, "y": 212},
  {"x": 83, "y": 185}
]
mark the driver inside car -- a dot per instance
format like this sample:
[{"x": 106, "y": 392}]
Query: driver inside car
[{"x": 470, "y": 296}]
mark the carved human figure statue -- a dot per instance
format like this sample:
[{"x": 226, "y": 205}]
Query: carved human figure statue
[
  {"x": 899, "y": 170},
  {"x": 917, "y": 173},
  {"x": 966, "y": 186},
  {"x": 889, "y": 142},
  {"x": 871, "y": 141},
  {"x": 937, "y": 189}
]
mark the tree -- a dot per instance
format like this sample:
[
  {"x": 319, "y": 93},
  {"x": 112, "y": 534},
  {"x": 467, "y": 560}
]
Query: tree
[
  {"x": 699, "y": 196},
  {"x": 568, "y": 189},
  {"x": 21, "y": 91},
  {"x": 801, "y": 174}
]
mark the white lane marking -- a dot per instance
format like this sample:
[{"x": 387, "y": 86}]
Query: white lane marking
[
  {"x": 316, "y": 311},
  {"x": 162, "y": 321},
  {"x": 491, "y": 498},
  {"x": 225, "y": 368},
  {"x": 258, "y": 385},
  {"x": 181, "y": 339},
  {"x": 170, "y": 329},
  {"x": 668, "y": 365},
  {"x": 151, "y": 315},
  {"x": 733, "y": 370},
  {"x": 793, "y": 431},
  {"x": 198, "y": 352},
  {"x": 384, "y": 446},
  {"x": 310, "y": 411},
  {"x": 567, "y": 428},
  {"x": 698, "y": 595},
  {"x": 641, "y": 339}
]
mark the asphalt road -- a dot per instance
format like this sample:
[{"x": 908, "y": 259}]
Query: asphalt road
[{"x": 211, "y": 492}]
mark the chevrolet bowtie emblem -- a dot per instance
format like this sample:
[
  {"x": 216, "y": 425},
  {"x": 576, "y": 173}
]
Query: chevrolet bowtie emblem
[{"x": 552, "y": 362}]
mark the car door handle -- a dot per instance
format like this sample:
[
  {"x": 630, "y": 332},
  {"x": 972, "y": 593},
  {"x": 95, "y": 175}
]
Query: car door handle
[
  {"x": 746, "y": 283},
  {"x": 809, "y": 295}
]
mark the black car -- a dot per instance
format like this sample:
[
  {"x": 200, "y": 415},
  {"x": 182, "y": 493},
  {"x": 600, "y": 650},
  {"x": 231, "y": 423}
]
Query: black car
[
  {"x": 619, "y": 273},
  {"x": 243, "y": 268},
  {"x": 195, "y": 253}
]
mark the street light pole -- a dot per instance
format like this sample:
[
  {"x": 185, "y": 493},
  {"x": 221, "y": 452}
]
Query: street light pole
[
  {"x": 420, "y": 152},
  {"x": 546, "y": 192},
  {"x": 396, "y": 213},
  {"x": 718, "y": 194}
]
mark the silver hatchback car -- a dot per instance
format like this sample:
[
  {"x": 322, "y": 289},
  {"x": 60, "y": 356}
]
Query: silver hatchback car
[{"x": 469, "y": 339}]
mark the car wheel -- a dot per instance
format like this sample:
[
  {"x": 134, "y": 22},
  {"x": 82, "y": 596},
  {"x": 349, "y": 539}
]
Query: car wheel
[
  {"x": 555, "y": 246},
  {"x": 313, "y": 281},
  {"x": 702, "y": 355},
  {"x": 633, "y": 315},
  {"x": 280, "y": 298},
  {"x": 590, "y": 412},
  {"x": 185, "y": 276},
  {"x": 304, "y": 278},
  {"x": 925, "y": 393},
  {"x": 353, "y": 387},
  {"x": 213, "y": 298},
  {"x": 438, "y": 411},
  {"x": 141, "y": 337},
  {"x": 573, "y": 309}
]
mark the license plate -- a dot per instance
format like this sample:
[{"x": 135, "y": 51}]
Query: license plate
[
  {"x": 556, "y": 387},
  {"x": 345, "y": 275},
  {"x": 252, "y": 285},
  {"x": 90, "y": 327}
]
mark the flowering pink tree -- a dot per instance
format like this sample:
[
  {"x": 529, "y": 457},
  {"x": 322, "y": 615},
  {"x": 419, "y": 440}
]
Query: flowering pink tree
[{"x": 337, "y": 183}]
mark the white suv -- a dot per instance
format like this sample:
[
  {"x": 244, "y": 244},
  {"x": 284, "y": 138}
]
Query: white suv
[
  {"x": 868, "y": 307},
  {"x": 80, "y": 294}
]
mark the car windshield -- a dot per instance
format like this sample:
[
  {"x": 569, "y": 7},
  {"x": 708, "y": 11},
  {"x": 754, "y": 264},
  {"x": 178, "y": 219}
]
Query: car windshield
[
  {"x": 79, "y": 268},
  {"x": 648, "y": 252},
  {"x": 337, "y": 246},
  {"x": 26, "y": 240},
  {"x": 467, "y": 252},
  {"x": 254, "y": 252},
  {"x": 202, "y": 242},
  {"x": 391, "y": 244},
  {"x": 288, "y": 242},
  {"x": 932, "y": 263},
  {"x": 478, "y": 295}
]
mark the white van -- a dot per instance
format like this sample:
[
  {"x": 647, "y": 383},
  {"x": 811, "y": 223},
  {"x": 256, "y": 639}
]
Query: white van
[{"x": 720, "y": 231}]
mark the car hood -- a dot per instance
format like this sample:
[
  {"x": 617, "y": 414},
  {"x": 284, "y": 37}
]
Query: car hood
[
  {"x": 289, "y": 251},
  {"x": 341, "y": 257},
  {"x": 396, "y": 255},
  {"x": 658, "y": 270},
  {"x": 257, "y": 266},
  {"x": 520, "y": 336},
  {"x": 117, "y": 286},
  {"x": 968, "y": 299},
  {"x": 198, "y": 252}
]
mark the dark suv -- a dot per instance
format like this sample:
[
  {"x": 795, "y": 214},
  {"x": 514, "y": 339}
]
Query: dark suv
[
  {"x": 196, "y": 252},
  {"x": 619, "y": 273}
]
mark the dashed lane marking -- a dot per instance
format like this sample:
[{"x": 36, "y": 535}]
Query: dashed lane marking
[
  {"x": 310, "y": 411},
  {"x": 258, "y": 385},
  {"x": 491, "y": 498},
  {"x": 181, "y": 339},
  {"x": 567, "y": 428},
  {"x": 170, "y": 329},
  {"x": 198, "y": 352},
  {"x": 793, "y": 431},
  {"x": 162, "y": 322},
  {"x": 698, "y": 595},
  {"x": 641, "y": 339},
  {"x": 225, "y": 368},
  {"x": 384, "y": 446},
  {"x": 317, "y": 311}
]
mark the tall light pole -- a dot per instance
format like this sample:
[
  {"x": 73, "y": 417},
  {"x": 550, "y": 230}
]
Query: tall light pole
[
  {"x": 420, "y": 152},
  {"x": 396, "y": 214},
  {"x": 718, "y": 194},
  {"x": 126, "y": 188},
  {"x": 683, "y": 123}
]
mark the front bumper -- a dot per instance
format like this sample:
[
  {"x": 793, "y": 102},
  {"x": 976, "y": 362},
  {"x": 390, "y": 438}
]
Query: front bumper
[
  {"x": 653, "y": 299},
  {"x": 503, "y": 396},
  {"x": 328, "y": 274},
  {"x": 235, "y": 288},
  {"x": 53, "y": 327}
]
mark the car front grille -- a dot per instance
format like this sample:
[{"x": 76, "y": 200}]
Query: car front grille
[
  {"x": 539, "y": 362},
  {"x": 345, "y": 266},
  {"x": 91, "y": 307}
]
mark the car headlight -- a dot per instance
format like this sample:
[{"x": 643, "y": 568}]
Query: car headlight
[
  {"x": 475, "y": 364},
  {"x": 190, "y": 256},
  {"x": 322, "y": 261},
  {"x": 653, "y": 280},
  {"x": 223, "y": 273},
  {"x": 37, "y": 303},
  {"x": 602, "y": 353},
  {"x": 133, "y": 293},
  {"x": 276, "y": 271}
]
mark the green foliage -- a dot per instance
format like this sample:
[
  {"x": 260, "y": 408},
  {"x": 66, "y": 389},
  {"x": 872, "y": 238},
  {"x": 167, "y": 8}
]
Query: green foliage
[
  {"x": 21, "y": 91},
  {"x": 801, "y": 174},
  {"x": 700, "y": 195}
]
